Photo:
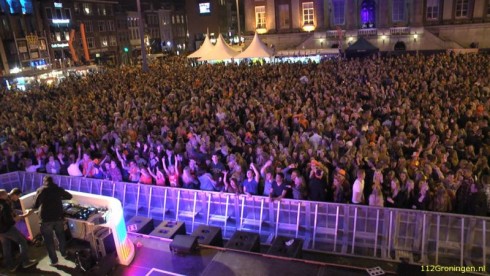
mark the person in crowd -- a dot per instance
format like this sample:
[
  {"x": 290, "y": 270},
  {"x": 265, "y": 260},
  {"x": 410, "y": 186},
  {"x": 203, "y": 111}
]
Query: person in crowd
[
  {"x": 376, "y": 197},
  {"x": 478, "y": 201},
  {"x": 340, "y": 193},
  {"x": 358, "y": 188},
  {"x": 114, "y": 172},
  {"x": 172, "y": 173},
  {"x": 279, "y": 188},
  {"x": 397, "y": 198},
  {"x": 157, "y": 176},
  {"x": 268, "y": 177},
  {"x": 49, "y": 203},
  {"x": 74, "y": 167},
  {"x": 251, "y": 183},
  {"x": 423, "y": 199},
  {"x": 441, "y": 201},
  {"x": 231, "y": 186},
  {"x": 53, "y": 166},
  {"x": 145, "y": 177},
  {"x": 299, "y": 189},
  {"x": 387, "y": 119},
  {"x": 9, "y": 234},
  {"x": 189, "y": 181}
]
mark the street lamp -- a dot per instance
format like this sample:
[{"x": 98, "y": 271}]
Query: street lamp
[
  {"x": 238, "y": 20},
  {"x": 144, "y": 65}
]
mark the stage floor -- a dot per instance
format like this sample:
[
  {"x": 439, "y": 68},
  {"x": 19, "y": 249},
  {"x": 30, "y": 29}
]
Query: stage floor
[{"x": 153, "y": 258}]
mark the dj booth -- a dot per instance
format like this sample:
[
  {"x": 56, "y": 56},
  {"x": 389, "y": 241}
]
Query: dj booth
[{"x": 96, "y": 219}]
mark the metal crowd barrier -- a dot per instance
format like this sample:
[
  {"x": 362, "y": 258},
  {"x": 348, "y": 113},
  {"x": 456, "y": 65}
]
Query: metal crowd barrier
[{"x": 383, "y": 233}]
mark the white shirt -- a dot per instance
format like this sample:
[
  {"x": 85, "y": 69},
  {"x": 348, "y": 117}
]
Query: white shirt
[
  {"x": 74, "y": 170},
  {"x": 358, "y": 191}
]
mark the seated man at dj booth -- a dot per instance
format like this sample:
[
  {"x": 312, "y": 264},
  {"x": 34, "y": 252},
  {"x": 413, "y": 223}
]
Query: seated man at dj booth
[{"x": 49, "y": 199}]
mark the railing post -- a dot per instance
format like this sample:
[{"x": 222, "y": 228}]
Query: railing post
[
  {"x": 424, "y": 221},
  {"x": 226, "y": 212},
  {"x": 164, "y": 203},
  {"x": 376, "y": 233},
  {"x": 114, "y": 189},
  {"x": 124, "y": 194},
  {"x": 354, "y": 231},
  {"x": 461, "y": 253},
  {"x": 209, "y": 208},
  {"x": 149, "y": 202},
  {"x": 177, "y": 207},
  {"x": 194, "y": 211},
  {"x": 437, "y": 238},
  {"x": 277, "y": 217},
  {"x": 241, "y": 213},
  {"x": 390, "y": 233},
  {"x": 336, "y": 228},
  {"x": 484, "y": 234},
  {"x": 261, "y": 215},
  {"x": 297, "y": 218},
  {"x": 138, "y": 199},
  {"x": 23, "y": 181},
  {"x": 315, "y": 220}
]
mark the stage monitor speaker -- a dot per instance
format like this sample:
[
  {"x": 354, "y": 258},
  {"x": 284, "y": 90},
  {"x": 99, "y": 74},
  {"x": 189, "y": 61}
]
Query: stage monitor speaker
[
  {"x": 104, "y": 242},
  {"x": 286, "y": 247},
  {"x": 168, "y": 229},
  {"x": 140, "y": 225},
  {"x": 183, "y": 244},
  {"x": 244, "y": 241},
  {"x": 406, "y": 269},
  {"x": 208, "y": 235}
]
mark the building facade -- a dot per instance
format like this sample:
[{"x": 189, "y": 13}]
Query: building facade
[
  {"x": 420, "y": 24},
  {"x": 23, "y": 42},
  {"x": 99, "y": 29},
  {"x": 215, "y": 16}
]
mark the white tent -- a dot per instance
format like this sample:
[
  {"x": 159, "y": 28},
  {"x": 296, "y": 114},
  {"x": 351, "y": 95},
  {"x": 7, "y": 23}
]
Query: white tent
[
  {"x": 220, "y": 51},
  {"x": 206, "y": 47},
  {"x": 256, "y": 49}
]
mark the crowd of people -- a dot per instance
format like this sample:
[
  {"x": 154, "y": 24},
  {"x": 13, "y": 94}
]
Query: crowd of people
[{"x": 407, "y": 132}]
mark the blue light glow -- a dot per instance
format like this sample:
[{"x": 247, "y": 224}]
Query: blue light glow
[{"x": 20, "y": 6}]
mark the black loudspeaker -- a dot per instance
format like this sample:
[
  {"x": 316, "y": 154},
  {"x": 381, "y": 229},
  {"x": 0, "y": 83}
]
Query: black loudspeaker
[
  {"x": 208, "y": 235},
  {"x": 286, "y": 247},
  {"x": 140, "y": 225},
  {"x": 183, "y": 244},
  {"x": 104, "y": 242},
  {"x": 168, "y": 229},
  {"x": 406, "y": 269},
  {"x": 244, "y": 241}
]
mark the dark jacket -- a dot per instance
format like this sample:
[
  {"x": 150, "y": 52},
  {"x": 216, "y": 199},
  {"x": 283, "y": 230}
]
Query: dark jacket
[
  {"x": 478, "y": 204},
  {"x": 6, "y": 217},
  {"x": 49, "y": 199}
]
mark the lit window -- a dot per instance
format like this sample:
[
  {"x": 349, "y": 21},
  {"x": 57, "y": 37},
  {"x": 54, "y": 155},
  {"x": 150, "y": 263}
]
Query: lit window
[
  {"x": 398, "y": 14},
  {"x": 101, "y": 26},
  {"x": 58, "y": 36},
  {"x": 67, "y": 36},
  {"x": 338, "y": 12},
  {"x": 67, "y": 14},
  {"x": 433, "y": 9},
  {"x": 103, "y": 41},
  {"x": 87, "y": 8},
  {"x": 90, "y": 42},
  {"x": 113, "y": 40},
  {"x": 260, "y": 17},
  {"x": 308, "y": 13},
  {"x": 462, "y": 8},
  {"x": 49, "y": 13}
]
